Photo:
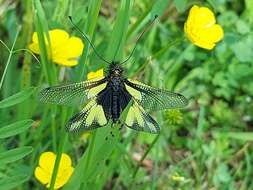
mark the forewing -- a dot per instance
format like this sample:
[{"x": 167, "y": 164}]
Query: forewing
[
  {"x": 91, "y": 117},
  {"x": 73, "y": 94},
  {"x": 139, "y": 120},
  {"x": 154, "y": 99}
]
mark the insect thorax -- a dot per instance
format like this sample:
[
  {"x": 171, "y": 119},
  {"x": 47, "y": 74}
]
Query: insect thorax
[{"x": 115, "y": 70}]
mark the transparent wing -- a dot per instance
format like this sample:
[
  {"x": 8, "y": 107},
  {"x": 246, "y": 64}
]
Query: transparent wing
[
  {"x": 154, "y": 99},
  {"x": 91, "y": 117},
  {"x": 139, "y": 120},
  {"x": 72, "y": 94}
]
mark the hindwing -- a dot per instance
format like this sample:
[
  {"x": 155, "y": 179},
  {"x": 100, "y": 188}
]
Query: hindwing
[
  {"x": 140, "y": 120},
  {"x": 90, "y": 117}
]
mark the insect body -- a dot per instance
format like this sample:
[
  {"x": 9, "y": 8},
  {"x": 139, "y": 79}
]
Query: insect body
[
  {"x": 114, "y": 98},
  {"x": 107, "y": 97}
]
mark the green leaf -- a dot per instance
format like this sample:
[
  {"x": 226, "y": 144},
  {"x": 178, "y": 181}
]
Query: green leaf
[
  {"x": 180, "y": 5},
  {"x": 12, "y": 182},
  {"x": 15, "y": 154},
  {"x": 42, "y": 30},
  {"x": 118, "y": 35},
  {"x": 15, "y": 128},
  {"x": 159, "y": 8},
  {"x": 242, "y": 27},
  {"x": 222, "y": 174},
  {"x": 17, "y": 98},
  {"x": 243, "y": 49},
  {"x": 245, "y": 136}
]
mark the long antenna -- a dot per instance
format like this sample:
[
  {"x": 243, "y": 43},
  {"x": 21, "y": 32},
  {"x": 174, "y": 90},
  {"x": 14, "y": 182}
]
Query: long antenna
[
  {"x": 87, "y": 39},
  {"x": 140, "y": 36}
]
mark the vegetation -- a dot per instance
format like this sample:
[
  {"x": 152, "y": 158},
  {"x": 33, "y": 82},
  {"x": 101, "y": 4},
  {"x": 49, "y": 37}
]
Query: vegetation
[{"x": 207, "y": 145}]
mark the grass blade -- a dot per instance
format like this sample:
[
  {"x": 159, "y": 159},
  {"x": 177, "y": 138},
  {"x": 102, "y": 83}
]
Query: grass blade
[
  {"x": 15, "y": 128},
  {"x": 12, "y": 182},
  {"x": 90, "y": 25},
  {"x": 15, "y": 154},
  {"x": 244, "y": 136},
  {"x": 42, "y": 31},
  {"x": 17, "y": 98},
  {"x": 180, "y": 5},
  {"x": 119, "y": 33}
]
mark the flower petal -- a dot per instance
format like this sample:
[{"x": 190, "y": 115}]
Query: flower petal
[
  {"x": 58, "y": 37},
  {"x": 42, "y": 175},
  {"x": 204, "y": 44},
  {"x": 68, "y": 53},
  {"x": 63, "y": 178},
  {"x": 192, "y": 15},
  {"x": 35, "y": 38},
  {"x": 215, "y": 33},
  {"x": 74, "y": 47},
  {"x": 34, "y": 47},
  {"x": 98, "y": 73},
  {"x": 65, "y": 161},
  {"x": 205, "y": 17},
  {"x": 47, "y": 160},
  {"x": 65, "y": 62}
]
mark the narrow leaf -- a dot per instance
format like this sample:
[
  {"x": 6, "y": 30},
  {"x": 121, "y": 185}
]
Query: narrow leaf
[
  {"x": 12, "y": 182},
  {"x": 159, "y": 8},
  {"x": 180, "y": 5},
  {"x": 15, "y": 128},
  {"x": 17, "y": 98},
  {"x": 15, "y": 154},
  {"x": 245, "y": 136}
]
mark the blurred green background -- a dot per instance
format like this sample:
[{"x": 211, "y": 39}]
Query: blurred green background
[{"x": 205, "y": 146}]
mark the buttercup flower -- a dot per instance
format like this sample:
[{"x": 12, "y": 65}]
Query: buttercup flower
[
  {"x": 201, "y": 29},
  {"x": 98, "y": 73},
  {"x": 44, "y": 171},
  {"x": 65, "y": 50},
  {"x": 177, "y": 178}
]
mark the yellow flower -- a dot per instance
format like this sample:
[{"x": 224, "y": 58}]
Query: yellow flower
[
  {"x": 44, "y": 171},
  {"x": 201, "y": 29},
  {"x": 64, "y": 50},
  {"x": 177, "y": 178},
  {"x": 98, "y": 73}
]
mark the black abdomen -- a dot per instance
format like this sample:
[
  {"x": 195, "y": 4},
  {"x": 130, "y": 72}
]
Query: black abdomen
[
  {"x": 114, "y": 100},
  {"x": 115, "y": 106}
]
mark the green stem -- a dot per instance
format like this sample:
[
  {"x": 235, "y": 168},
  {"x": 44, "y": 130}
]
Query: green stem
[
  {"x": 28, "y": 51},
  {"x": 9, "y": 57},
  {"x": 90, "y": 151},
  {"x": 144, "y": 156},
  {"x": 5, "y": 46},
  {"x": 45, "y": 50},
  {"x": 53, "y": 127},
  {"x": 140, "y": 20},
  {"x": 90, "y": 26},
  {"x": 62, "y": 142}
]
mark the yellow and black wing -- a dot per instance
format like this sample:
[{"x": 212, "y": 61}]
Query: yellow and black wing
[
  {"x": 73, "y": 94},
  {"x": 152, "y": 98},
  {"x": 90, "y": 117},
  {"x": 140, "y": 120}
]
